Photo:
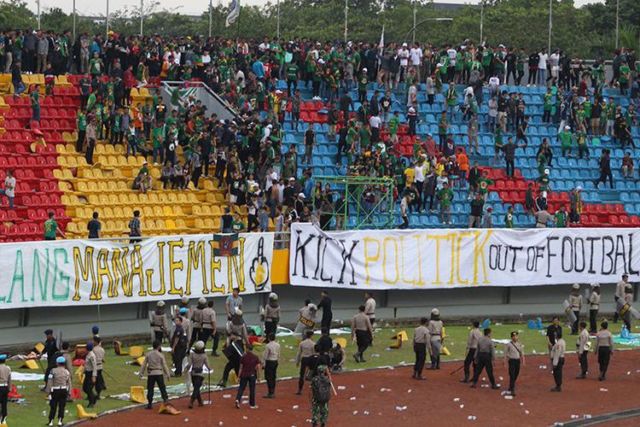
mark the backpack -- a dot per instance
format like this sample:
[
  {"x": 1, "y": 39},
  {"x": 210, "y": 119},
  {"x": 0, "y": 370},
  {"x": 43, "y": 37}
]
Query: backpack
[{"x": 321, "y": 388}]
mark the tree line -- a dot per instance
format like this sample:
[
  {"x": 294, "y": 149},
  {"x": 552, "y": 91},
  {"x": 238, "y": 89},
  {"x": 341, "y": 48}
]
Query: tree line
[{"x": 586, "y": 32}]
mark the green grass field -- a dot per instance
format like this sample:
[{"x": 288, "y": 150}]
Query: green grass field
[{"x": 121, "y": 376}]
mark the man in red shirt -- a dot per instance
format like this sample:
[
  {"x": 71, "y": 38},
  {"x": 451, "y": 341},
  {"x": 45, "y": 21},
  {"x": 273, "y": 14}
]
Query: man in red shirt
[{"x": 249, "y": 367}]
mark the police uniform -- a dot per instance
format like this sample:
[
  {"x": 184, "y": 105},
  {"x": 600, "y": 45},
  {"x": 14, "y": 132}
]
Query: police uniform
[
  {"x": 197, "y": 361},
  {"x": 362, "y": 331},
  {"x": 583, "y": 351},
  {"x": 270, "y": 356},
  {"x": 604, "y": 348},
  {"x": 90, "y": 376},
  {"x": 628, "y": 300},
  {"x": 484, "y": 360},
  {"x": 435, "y": 333},
  {"x": 557, "y": 360},
  {"x": 575, "y": 302},
  {"x": 272, "y": 317},
  {"x": 5, "y": 387},
  {"x": 58, "y": 385},
  {"x": 306, "y": 350},
  {"x": 155, "y": 366},
  {"x": 472, "y": 346},
  {"x": 99, "y": 352},
  {"x": 421, "y": 339},
  {"x": 159, "y": 324},
  {"x": 618, "y": 295},
  {"x": 306, "y": 319},
  {"x": 513, "y": 352},
  {"x": 208, "y": 325},
  {"x": 594, "y": 307},
  {"x": 370, "y": 310},
  {"x": 196, "y": 322}
]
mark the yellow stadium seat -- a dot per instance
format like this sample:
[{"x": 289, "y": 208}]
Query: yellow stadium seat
[
  {"x": 158, "y": 212},
  {"x": 118, "y": 212},
  {"x": 196, "y": 210},
  {"x": 84, "y": 415},
  {"x": 136, "y": 351},
  {"x": 153, "y": 198},
  {"x": 199, "y": 224},
  {"x": 137, "y": 394},
  {"x": 30, "y": 364},
  {"x": 168, "y": 211},
  {"x": 148, "y": 212},
  {"x": 181, "y": 225},
  {"x": 170, "y": 224},
  {"x": 342, "y": 341}
]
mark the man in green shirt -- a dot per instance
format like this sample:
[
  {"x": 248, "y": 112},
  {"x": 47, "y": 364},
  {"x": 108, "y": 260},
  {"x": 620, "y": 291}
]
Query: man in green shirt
[
  {"x": 394, "y": 123},
  {"x": 81, "y": 122},
  {"x": 548, "y": 104},
  {"x": 625, "y": 75},
  {"x": 51, "y": 229},
  {"x": 560, "y": 217},
  {"x": 292, "y": 77},
  {"x": 508, "y": 218},
  {"x": 566, "y": 140},
  {"x": 445, "y": 196},
  {"x": 157, "y": 137},
  {"x": 35, "y": 103}
]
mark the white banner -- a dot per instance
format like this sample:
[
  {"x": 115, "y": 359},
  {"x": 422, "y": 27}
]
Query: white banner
[
  {"x": 92, "y": 272},
  {"x": 437, "y": 258}
]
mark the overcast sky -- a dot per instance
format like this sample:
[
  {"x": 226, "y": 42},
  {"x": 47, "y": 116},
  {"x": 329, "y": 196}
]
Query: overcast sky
[{"x": 188, "y": 7}]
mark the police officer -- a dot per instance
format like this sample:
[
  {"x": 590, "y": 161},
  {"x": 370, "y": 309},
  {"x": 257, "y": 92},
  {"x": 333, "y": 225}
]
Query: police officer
[
  {"x": 50, "y": 348},
  {"x": 575, "y": 302},
  {"x": 327, "y": 313},
  {"x": 472, "y": 346},
  {"x": 306, "y": 349},
  {"x": 270, "y": 357},
  {"x": 183, "y": 313},
  {"x": 208, "y": 326},
  {"x": 370, "y": 307},
  {"x": 594, "y": 307},
  {"x": 90, "y": 375},
  {"x": 361, "y": 333},
  {"x": 604, "y": 348},
  {"x": 421, "y": 342},
  {"x": 272, "y": 314},
  {"x": 514, "y": 358},
  {"x": 5, "y": 387},
  {"x": 619, "y": 294},
  {"x": 58, "y": 386},
  {"x": 196, "y": 321},
  {"x": 306, "y": 318},
  {"x": 184, "y": 303},
  {"x": 557, "y": 361},
  {"x": 484, "y": 359},
  {"x": 583, "y": 350},
  {"x": 179, "y": 342},
  {"x": 554, "y": 330},
  {"x": 155, "y": 366},
  {"x": 627, "y": 299},
  {"x": 435, "y": 332},
  {"x": 233, "y": 350},
  {"x": 197, "y": 362},
  {"x": 159, "y": 322},
  {"x": 99, "y": 352}
]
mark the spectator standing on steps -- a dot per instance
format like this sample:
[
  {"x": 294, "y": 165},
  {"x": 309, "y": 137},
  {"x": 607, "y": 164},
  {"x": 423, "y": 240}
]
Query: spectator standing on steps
[{"x": 605, "y": 169}]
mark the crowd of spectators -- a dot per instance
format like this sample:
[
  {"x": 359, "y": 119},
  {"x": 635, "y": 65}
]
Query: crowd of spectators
[{"x": 248, "y": 158}]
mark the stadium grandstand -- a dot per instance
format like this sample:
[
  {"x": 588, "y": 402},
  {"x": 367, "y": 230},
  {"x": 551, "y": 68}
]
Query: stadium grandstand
[{"x": 303, "y": 112}]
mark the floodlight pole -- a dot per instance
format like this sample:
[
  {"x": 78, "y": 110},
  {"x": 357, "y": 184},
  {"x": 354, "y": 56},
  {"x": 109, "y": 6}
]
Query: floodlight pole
[{"x": 550, "y": 25}]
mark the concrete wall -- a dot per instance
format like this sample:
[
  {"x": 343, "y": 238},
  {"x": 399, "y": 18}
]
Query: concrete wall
[{"x": 25, "y": 326}]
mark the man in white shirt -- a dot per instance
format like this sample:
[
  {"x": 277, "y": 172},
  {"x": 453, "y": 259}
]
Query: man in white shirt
[
  {"x": 416, "y": 59},
  {"x": 403, "y": 54},
  {"x": 9, "y": 188},
  {"x": 374, "y": 123},
  {"x": 542, "y": 67},
  {"x": 418, "y": 179},
  {"x": 554, "y": 62}
]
